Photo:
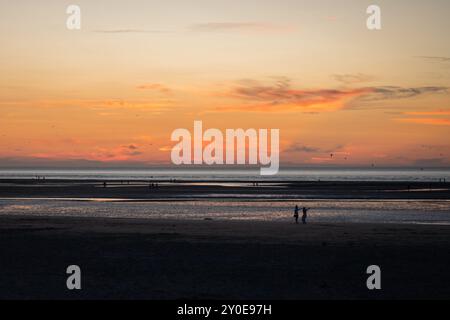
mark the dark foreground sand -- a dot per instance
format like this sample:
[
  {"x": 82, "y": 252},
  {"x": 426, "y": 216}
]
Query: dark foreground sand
[{"x": 149, "y": 259}]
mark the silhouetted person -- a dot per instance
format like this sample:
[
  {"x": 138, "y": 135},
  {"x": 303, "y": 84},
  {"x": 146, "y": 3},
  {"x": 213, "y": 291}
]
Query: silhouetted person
[
  {"x": 104, "y": 184},
  {"x": 296, "y": 210},
  {"x": 305, "y": 215}
]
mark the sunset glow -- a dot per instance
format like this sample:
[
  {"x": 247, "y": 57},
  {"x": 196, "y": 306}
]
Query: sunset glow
[{"x": 112, "y": 92}]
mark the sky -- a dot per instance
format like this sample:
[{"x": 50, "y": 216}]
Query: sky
[{"x": 114, "y": 91}]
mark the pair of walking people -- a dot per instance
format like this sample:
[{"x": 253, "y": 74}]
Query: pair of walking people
[{"x": 304, "y": 214}]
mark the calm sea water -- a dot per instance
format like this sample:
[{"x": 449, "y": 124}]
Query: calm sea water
[{"x": 291, "y": 174}]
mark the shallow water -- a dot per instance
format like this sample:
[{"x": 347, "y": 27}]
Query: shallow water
[
  {"x": 377, "y": 211},
  {"x": 285, "y": 174}
]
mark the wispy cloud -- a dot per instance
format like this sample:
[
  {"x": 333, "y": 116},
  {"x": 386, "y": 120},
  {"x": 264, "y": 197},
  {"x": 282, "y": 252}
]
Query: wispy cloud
[
  {"x": 395, "y": 92},
  {"x": 435, "y": 58},
  {"x": 131, "y": 147},
  {"x": 428, "y": 113},
  {"x": 280, "y": 96},
  {"x": 154, "y": 87},
  {"x": 120, "y": 153},
  {"x": 427, "y": 121},
  {"x": 102, "y": 154},
  {"x": 113, "y": 31},
  {"x": 353, "y": 78},
  {"x": 239, "y": 27},
  {"x": 428, "y": 117},
  {"x": 97, "y": 104},
  {"x": 300, "y": 148}
]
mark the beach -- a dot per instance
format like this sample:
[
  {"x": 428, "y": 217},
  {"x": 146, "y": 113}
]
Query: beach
[
  {"x": 222, "y": 240},
  {"x": 164, "y": 259}
]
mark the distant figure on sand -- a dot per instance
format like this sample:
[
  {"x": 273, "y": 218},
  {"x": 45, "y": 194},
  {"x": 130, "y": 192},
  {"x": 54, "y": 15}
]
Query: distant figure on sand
[
  {"x": 305, "y": 215},
  {"x": 296, "y": 214}
]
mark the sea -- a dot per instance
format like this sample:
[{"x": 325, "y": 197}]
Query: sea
[
  {"x": 285, "y": 174},
  {"x": 418, "y": 211}
]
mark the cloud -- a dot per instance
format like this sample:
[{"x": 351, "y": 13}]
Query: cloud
[
  {"x": 353, "y": 78},
  {"x": 435, "y": 58},
  {"x": 428, "y": 113},
  {"x": 429, "y": 117},
  {"x": 239, "y": 27},
  {"x": 302, "y": 148},
  {"x": 117, "y": 31},
  {"x": 104, "y": 107},
  {"x": 299, "y": 148},
  {"x": 280, "y": 96},
  {"x": 48, "y": 161},
  {"x": 120, "y": 153},
  {"x": 154, "y": 87},
  {"x": 395, "y": 92},
  {"x": 127, "y": 152},
  {"x": 132, "y": 147},
  {"x": 427, "y": 121},
  {"x": 166, "y": 148}
]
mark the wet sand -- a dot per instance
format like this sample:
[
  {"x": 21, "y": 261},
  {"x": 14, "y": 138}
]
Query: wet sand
[
  {"x": 183, "y": 190},
  {"x": 164, "y": 259}
]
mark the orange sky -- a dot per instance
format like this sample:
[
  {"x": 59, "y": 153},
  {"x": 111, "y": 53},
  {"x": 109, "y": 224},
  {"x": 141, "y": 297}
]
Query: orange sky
[{"x": 114, "y": 91}]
